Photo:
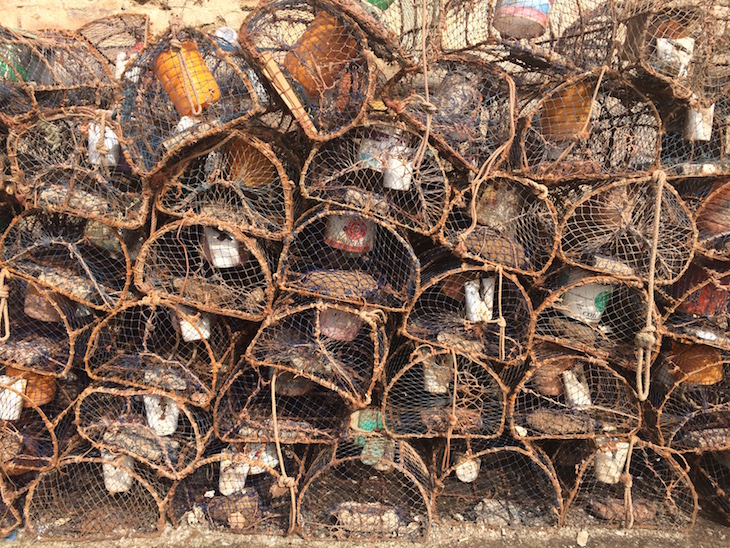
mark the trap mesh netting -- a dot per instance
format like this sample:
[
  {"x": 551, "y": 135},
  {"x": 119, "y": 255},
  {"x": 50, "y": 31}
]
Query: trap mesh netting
[
  {"x": 711, "y": 476},
  {"x": 432, "y": 392},
  {"x": 625, "y": 482},
  {"x": 713, "y": 226},
  {"x": 468, "y": 106},
  {"x": 503, "y": 221},
  {"x": 340, "y": 347},
  {"x": 177, "y": 351},
  {"x": 239, "y": 487},
  {"x": 94, "y": 496},
  {"x": 567, "y": 395},
  {"x": 366, "y": 487},
  {"x": 10, "y": 517},
  {"x": 479, "y": 311},
  {"x": 690, "y": 398},
  {"x": 118, "y": 37},
  {"x": 66, "y": 255},
  {"x": 384, "y": 170},
  {"x": 240, "y": 180},
  {"x": 182, "y": 87},
  {"x": 262, "y": 404},
  {"x": 496, "y": 484},
  {"x": 208, "y": 265},
  {"x": 350, "y": 257}
]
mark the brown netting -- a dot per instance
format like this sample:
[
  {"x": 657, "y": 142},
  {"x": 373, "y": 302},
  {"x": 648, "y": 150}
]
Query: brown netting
[
  {"x": 93, "y": 496},
  {"x": 625, "y": 482},
  {"x": 504, "y": 221},
  {"x": 568, "y": 395},
  {"x": 496, "y": 484},
  {"x": 317, "y": 59},
  {"x": 431, "y": 392},
  {"x": 350, "y": 257},
  {"x": 293, "y": 409},
  {"x": 601, "y": 316},
  {"x": 118, "y": 37},
  {"x": 174, "y": 350},
  {"x": 10, "y": 518},
  {"x": 238, "y": 487},
  {"x": 340, "y": 347},
  {"x": 180, "y": 88},
  {"x": 467, "y": 105},
  {"x": 69, "y": 256},
  {"x": 208, "y": 265},
  {"x": 378, "y": 169},
  {"x": 711, "y": 217},
  {"x": 481, "y": 312},
  {"x": 163, "y": 433},
  {"x": 366, "y": 486},
  {"x": 691, "y": 398},
  {"x": 615, "y": 229},
  {"x": 591, "y": 126},
  {"x": 710, "y": 474},
  {"x": 240, "y": 180},
  {"x": 50, "y": 70}
]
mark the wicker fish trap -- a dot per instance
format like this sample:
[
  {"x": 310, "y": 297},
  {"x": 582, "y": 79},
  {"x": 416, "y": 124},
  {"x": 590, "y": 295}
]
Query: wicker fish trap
[
  {"x": 176, "y": 351},
  {"x": 690, "y": 398},
  {"x": 630, "y": 483},
  {"x": 10, "y": 517},
  {"x": 505, "y": 222},
  {"x": 350, "y": 257},
  {"x": 711, "y": 477},
  {"x": 240, "y": 180},
  {"x": 263, "y": 405},
  {"x": 567, "y": 395},
  {"x": 317, "y": 59},
  {"x": 379, "y": 169},
  {"x": 118, "y": 37},
  {"x": 66, "y": 254},
  {"x": 238, "y": 487},
  {"x": 712, "y": 217},
  {"x": 431, "y": 392},
  {"x": 466, "y": 103},
  {"x": 92, "y": 496},
  {"x": 601, "y": 316},
  {"x": 617, "y": 229},
  {"x": 208, "y": 265},
  {"x": 365, "y": 488},
  {"x": 163, "y": 433},
  {"x": 591, "y": 126},
  {"x": 481, "y": 312},
  {"x": 341, "y": 347},
  {"x": 49, "y": 71},
  {"x": 180, "y": 88},
  {"x": 495, "y": 484}
]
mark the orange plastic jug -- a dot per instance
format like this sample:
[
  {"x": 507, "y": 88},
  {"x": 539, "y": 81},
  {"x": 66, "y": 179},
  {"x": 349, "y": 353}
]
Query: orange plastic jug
[{"x": 565, "y": 113}]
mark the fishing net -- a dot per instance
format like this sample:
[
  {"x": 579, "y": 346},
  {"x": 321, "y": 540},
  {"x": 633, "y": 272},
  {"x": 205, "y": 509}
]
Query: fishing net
[
  {"x": 691, "y": 398},
  {"x": 163, "y": 433},
  {"x": 496, "y": 484},
  {"x": 466, "y": 104},
  {"x": 481, "y": 312},
  {"x": 177, "y": 352},
  {"x": 711, "y": 477},
  {"x": 92, "y": 496},
  {"x": 48, "y": 71},
  {"x": 61, "y": 164},
  {"x": 238, "y": 487},
  {"x": 591, "y": 126},
  {"x": 381, "y": 169},
  {"x": 263, "y": 405},
  {"x": 433, "y": 392},
  {"x": 349, "y": 257},
  {"x": 711, "y": 217},
  {"x": 340, "y": 347},
  {"x": 240, "y": 180},
  {"x": 182, "y": 87},
  {"x": 503, "y": 221},
  {"x": 625, "y": 482},
  {"x": 118, "y": 37},
  {"x": 208, "y": 265},
  {"x": 69, "y": 256},
  {"x": 621, "y": 227},
  {"x": 366, "y": 487},
  {"x": 567, "y": 395},
  {"x": 10, "y": 518}
]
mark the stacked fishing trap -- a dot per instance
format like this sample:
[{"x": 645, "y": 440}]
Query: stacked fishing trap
[{"x": 360, "y": 267}]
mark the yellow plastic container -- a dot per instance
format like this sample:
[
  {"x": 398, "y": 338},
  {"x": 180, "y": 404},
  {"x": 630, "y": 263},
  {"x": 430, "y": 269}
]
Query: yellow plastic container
[
  {"x": 564, "y": 113},
  {"x": 186, "y": 79}
]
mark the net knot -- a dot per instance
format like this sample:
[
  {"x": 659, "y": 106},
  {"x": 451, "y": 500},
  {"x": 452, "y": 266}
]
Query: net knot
[
  {"x": 626, "y": 479},
  {"x": 426, "y": 106},
  {"x": 501, "y": 322},
  {"x": 287, "y": 482},
  {"x": 541, "y": 191},
  {"x": 645, "y": 338},
  {"x": 659, "y": 176},
  {"x": 175, "y": 44},
  {"x": 453, "y": 421}
]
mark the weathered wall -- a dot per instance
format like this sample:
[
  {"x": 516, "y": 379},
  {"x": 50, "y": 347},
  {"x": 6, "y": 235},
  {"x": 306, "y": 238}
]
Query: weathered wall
[{"x": 72, "y": 14}]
